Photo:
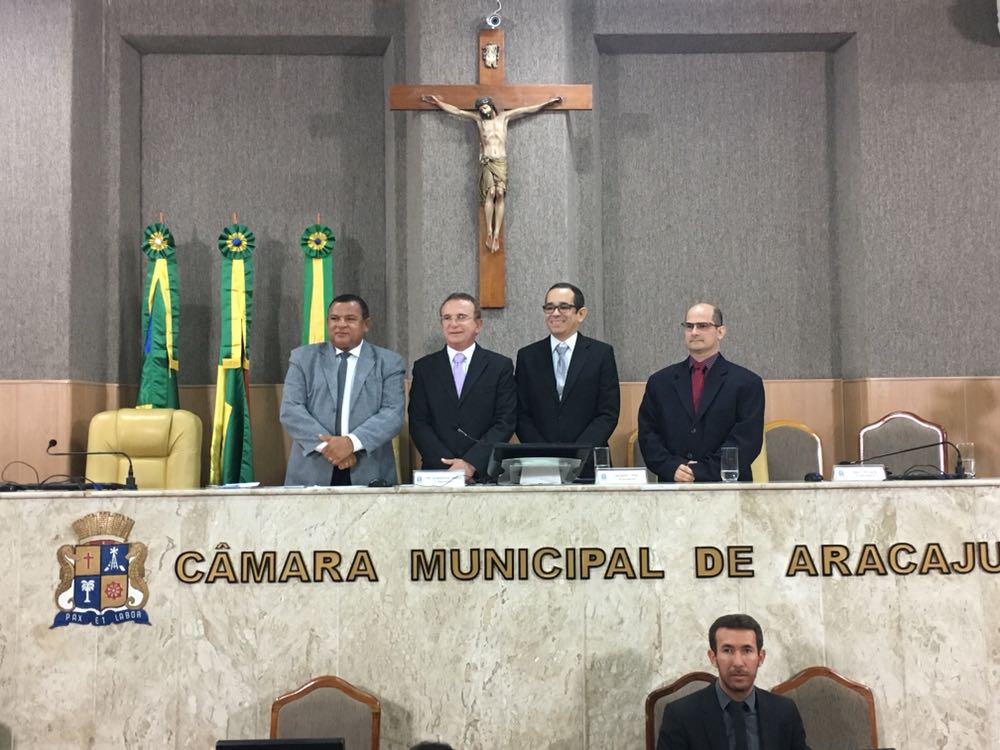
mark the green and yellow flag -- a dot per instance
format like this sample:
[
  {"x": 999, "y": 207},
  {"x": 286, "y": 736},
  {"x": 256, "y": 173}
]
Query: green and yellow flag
[
  {"x": 161, "y": 322},
  {"x": 231, "y": 458},
  {"x": 317, "y": 243}
]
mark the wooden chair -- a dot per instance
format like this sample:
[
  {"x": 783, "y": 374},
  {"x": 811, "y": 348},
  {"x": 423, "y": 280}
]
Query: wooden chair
[
  {"x": 328, "y": 706},
  {"x": 794, "y": 450},
  {"x": 633, "y": 456},
  {"x": 899, "y": 430},
  {"x": 837, "y": 712},
  {"x": 657, "y": 700}
]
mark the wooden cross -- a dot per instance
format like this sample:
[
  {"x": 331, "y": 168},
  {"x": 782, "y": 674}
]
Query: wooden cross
[{"x": 492, "y": 84}]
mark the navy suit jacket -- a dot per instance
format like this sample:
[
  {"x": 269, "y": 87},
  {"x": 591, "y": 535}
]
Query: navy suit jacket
[
  {"x": 695, "y": 722},
  {"x": 487, "y": 409},
  {"x": 588, "y": 412},
  {"x": 731, "y": 412}
]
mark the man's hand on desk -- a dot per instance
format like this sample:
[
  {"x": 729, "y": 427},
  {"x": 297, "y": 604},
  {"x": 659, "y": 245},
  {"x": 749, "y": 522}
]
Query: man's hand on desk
[
  {"x": 684, "y": 473},
  {"x": 456, "y": 463}
]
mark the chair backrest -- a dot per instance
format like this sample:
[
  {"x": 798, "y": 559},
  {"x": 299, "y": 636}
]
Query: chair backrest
[
  {"x": 794, "y": 450},
  {"x": 328, "y": 706},
  {"x": 897, "y": 431},
  {"x": 164, "y": 444},
  {"x": 657, "y": 700},
  {"x": 758, "y": 467},
  {"x": 837, "y": 712},
  {"x": 633, "y": 456}
]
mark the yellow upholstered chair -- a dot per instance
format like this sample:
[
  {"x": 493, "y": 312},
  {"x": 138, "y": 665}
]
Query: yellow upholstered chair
[
  {"x": 633, "y": 457},
  {"x": 657, "y": 700},
  {"x": 837, "y": 712},
  {"x": 164, "y": 444},
  {"x": 795, "y": 450},
  {"x": 328, "y": 706}
]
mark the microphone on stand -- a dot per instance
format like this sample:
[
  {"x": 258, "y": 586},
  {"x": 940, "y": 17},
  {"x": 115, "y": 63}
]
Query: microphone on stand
[
  {"x": 959, "y": 466},
  {"x": 129, "y": 478}
]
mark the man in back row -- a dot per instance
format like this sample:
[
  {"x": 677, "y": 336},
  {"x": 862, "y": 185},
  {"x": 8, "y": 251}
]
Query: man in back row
[
  {"x": 693, "y": 408},
  {"x": 567, "y": 383},
  {"x": 732, "y": 713}
]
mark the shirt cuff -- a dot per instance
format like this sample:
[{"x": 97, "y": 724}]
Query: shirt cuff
[{"x": 356, "y": 443}]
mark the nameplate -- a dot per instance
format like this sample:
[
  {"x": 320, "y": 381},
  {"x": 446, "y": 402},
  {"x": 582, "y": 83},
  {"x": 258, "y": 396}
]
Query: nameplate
[
  {"x": 859, "y": 473},
  {"x": 620, "y": 477},
  {"x": 431, "y": 478}
]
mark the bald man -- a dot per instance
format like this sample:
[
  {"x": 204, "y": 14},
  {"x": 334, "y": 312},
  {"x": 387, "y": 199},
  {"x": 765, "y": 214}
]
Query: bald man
[{"x": 692, "y": 409}]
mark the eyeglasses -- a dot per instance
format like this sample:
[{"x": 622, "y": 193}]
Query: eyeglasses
[
  {"x": 564, "y": 307},
  {"x": 699, "y": 326},
  {"x": 460, "y": 318}
]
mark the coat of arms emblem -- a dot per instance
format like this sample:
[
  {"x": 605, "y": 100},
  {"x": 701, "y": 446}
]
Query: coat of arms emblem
[{"x": 102, "y": 577}]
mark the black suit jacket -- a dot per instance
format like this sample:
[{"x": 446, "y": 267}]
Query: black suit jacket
[
  {"x": 695, "y": 722},
  {"x": 731, "y": 412},
  {"x": 487, "y": 409},
  {"x": 588, "y": 412}
]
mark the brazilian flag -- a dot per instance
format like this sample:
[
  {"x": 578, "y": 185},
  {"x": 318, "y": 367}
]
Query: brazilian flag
[
  {"x": 317, "y": 243},
  {"x": 161, "y": 321},
  {"x": 231, "y": 458}
]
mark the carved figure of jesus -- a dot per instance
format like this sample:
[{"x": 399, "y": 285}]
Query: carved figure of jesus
[{"x": 492, "y": 124}]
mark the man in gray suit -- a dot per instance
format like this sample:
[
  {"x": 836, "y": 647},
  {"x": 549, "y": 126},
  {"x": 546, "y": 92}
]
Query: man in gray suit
[{"x": 343, "y": 404}]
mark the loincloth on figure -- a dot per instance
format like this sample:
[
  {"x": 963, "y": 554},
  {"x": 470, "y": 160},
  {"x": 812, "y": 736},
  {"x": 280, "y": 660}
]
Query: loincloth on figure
[{"x": 493, "y": 174}]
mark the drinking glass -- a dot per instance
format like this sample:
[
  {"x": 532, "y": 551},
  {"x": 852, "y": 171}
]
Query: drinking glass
[
  {"x": 730, "y": 464},
  {"x": 968, "y": 451}
]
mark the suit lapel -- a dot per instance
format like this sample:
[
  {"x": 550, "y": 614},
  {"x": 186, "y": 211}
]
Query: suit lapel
[
  {"x": 477, "y": 365},
  {"x": 576, "y": 364},
  {"x": 328, "y": 363},
  {"x": 715, "y": 726},
  {"x": 366, "y": 363},
  {"x": 444, "y": 375},
  {"x": 682, "y": 384}
]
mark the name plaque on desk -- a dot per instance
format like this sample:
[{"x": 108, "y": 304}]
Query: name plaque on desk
[
  {"x": 620, "y": 477},
  {"x": 859, "y": 473}
]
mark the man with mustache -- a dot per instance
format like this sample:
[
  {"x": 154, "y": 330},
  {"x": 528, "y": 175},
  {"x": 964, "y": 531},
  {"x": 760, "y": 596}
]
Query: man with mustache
[{"x": 732, "y": 713}]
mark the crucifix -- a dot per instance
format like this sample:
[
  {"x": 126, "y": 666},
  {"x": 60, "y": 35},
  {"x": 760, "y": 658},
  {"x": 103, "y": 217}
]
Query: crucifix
[{"x": 493, "y": 102}]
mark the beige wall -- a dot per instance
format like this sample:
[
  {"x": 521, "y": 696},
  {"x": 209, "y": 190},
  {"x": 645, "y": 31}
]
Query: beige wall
[{"x": 37, "y": 410}]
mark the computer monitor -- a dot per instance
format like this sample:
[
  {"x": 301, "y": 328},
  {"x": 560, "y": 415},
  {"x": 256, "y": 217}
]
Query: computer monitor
[
  {"x": 503, "y": 451},
  {"x": 325, "y": 743}
]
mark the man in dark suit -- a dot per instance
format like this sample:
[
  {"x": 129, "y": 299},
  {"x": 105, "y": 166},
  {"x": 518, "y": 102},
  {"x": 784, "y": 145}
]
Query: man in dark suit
[
  {"x": 342, "y": 404},
  {"x": 567, "y": 383},
  {"x": 462, "y": 398},
  {"x": 692, "y": 409},
  {"x": 733, "y": 714}
]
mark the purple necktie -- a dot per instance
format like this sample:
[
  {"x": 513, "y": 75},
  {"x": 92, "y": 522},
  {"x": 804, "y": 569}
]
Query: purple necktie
[{"x": 458, "y": 372}]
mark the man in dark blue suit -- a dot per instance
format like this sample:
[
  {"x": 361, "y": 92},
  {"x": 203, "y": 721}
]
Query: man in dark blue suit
[
  {"x": 733, "y": 714},
  {"x": 462, "y": 398},
  {"x": 692, "y": 409},
  {"x": 567, "y": 383}
]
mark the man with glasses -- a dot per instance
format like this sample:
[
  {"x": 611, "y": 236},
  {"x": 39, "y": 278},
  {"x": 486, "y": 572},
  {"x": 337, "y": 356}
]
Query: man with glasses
[
  {"x": 342, "y": 404},
  {"x": 693, "y": 408},
  {"x": 567, "y": 383},
  {"x": 462, "y": 398},
  {"x": 732, "y": 713}
]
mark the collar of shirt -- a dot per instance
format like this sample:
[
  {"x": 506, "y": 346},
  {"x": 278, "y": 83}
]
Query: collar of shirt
[
  {"x": 707, "y": 362},
  {"x": 725, "y": 700},
  {"x": 355, "y": 352},
  {"x": 570, "y": 342},
  {"x": 467, "y": 352}
]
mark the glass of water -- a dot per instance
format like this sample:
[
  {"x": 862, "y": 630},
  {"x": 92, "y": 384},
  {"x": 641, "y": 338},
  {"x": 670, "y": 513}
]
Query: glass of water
[
  {"x": 730, "y": 463},
  {"x": 968, "y": 451}
]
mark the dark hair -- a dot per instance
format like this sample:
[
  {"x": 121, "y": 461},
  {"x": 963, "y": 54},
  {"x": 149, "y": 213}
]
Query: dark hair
[
  {"x": 577, "y": 294},
  {"x": 463, "y": 297},
  {"x": 736, "y": 622},
  {"x": 350, "y": 298},
  {"x": 485, "y": 100},
  {"x": 431, "y": 745}
]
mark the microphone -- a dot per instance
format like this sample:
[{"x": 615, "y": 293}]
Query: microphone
[
  {"x": 464, "y": 434},
  {"x": 959, "y": 466},
  {"x": 130, "y": 477}
]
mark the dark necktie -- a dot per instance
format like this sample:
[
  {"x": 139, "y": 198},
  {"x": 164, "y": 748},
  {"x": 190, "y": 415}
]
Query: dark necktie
[
  {"x": 735, "y": 710},
  {"x": 341, "y": 385},
  {"x": 697, "y": 383}
]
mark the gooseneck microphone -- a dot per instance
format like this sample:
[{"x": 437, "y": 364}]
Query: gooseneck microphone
[
  {"x": 959, "y": 466},
  {"x": 130, "y": 477}
]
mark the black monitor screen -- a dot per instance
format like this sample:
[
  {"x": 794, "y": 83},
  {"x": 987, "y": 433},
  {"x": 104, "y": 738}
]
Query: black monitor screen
[
  {"x": 328, "y": 743},
  {"x": 503, "y": 451}
]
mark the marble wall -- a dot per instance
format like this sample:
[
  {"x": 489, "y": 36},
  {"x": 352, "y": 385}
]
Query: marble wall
[{"x": 562, "y": 663}]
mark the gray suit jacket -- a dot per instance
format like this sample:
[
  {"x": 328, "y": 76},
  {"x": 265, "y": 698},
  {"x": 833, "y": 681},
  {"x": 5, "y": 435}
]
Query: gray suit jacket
[{"x": 309, "y": 407}]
